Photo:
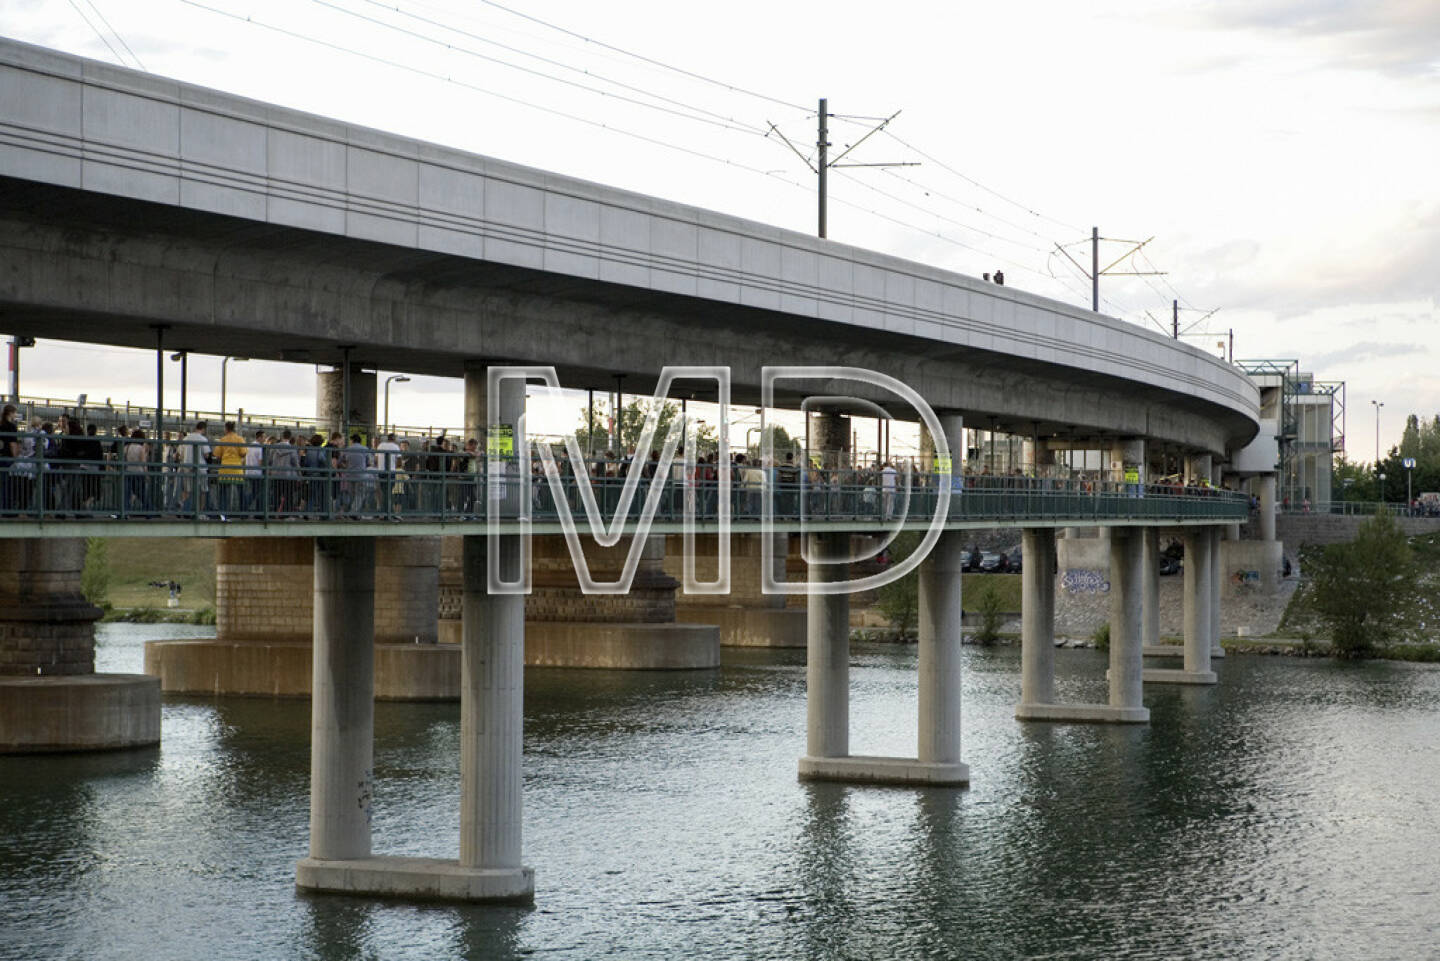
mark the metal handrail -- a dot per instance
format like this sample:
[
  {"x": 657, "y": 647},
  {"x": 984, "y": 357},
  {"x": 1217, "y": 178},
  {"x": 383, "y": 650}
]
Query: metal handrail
[{"x": 53, "y": 482}]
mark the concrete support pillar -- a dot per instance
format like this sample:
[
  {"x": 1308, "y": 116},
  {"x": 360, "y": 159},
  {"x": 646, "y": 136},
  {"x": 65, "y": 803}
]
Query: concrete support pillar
[
  {"x": 1267, "y": 507},
  {"x": 827, "y": 670},
  {"x": 492, "y": 682},
  {"x": 778, "y": 560},
  {"x": 939, "y": 654},
  {"x": 830, "y": 437},
  {"x": 1197, "y": 600},
  {"x": 342, "y": 700},
  {"x": 330, "y": 400},
  {"x": 1127, "y": 558},
  {"x": 1127, "y": 460},
  {"x": 1197, "y": 468},
  {"x": 51, "y": 699},
  {"x": 1150, "y": 587},
  {"x": 1037, "y": 616},
  {"x": 492, "y": 676},
  {"x": 1214, "y": 593}
]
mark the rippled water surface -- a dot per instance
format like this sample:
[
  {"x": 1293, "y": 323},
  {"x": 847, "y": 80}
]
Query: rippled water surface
[{"x": 1291, "y": 812}]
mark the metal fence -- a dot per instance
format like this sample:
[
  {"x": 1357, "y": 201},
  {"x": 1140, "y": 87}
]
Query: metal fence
[{"x": 76, "y": 477}]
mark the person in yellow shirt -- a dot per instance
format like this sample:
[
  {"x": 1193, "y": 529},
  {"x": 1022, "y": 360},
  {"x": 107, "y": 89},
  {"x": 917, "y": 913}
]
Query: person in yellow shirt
[{"x": 231, "y": 450}]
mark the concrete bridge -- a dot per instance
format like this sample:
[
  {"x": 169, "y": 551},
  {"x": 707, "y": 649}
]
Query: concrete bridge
[{"x": 141, "y": 212}]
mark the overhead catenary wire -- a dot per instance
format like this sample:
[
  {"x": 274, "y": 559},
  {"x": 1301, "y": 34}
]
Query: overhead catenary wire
[
  {"x": 644, "y": 59},
  {"x": 683, "y": 114},
  {"x": 103, "y": 39},
  {"x": 118, "y": 36},
  {"x": 410, "y": 68}
]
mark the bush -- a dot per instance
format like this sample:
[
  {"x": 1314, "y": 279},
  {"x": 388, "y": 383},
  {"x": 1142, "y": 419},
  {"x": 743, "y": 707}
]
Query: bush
[
  {"x": 95, "y": 578},
  {"x": 899, "y": 601},
  {"x": 1101, "y": 637},
  {"x": 991, "y": 605},
  {"x": 1361, "y": 590}
]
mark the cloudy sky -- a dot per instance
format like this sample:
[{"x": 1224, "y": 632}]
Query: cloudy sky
[{"x": 1281, "y": 153}]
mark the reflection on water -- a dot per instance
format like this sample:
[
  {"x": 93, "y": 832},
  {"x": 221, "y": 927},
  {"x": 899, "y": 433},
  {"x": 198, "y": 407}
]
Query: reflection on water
[{"x": 1288, "y": 812}]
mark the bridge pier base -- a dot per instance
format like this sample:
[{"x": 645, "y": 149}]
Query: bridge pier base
[
  {"x": 1127, "y": 555},
  {"x": 937, "y": 761},
  {"x": 1198, "y": 588},
  {"x": 51, "y": 699}
]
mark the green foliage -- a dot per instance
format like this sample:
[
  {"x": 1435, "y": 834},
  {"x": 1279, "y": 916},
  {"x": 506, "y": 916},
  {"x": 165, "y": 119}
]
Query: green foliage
[
  {"x": 991, "y": 605},
  {"x": 595, "y": 435},
  {"x": 95, "y": 578},
  {"x": 1101, "y": 637},
  {"x": 1362, "y": 589},
  {"x": 899, "y": 601},
  {"x": 1420, "y": 440},
  {"x": 1426, "y": 653}
]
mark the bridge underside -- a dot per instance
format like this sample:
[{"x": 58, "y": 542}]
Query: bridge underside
[{"x": 94, "y": 268}]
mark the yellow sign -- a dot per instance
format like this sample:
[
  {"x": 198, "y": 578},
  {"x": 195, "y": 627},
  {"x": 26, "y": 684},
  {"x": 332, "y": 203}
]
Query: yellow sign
[
  {"x": 500, "y": 441},
  {"x": 943, "y": 464}
]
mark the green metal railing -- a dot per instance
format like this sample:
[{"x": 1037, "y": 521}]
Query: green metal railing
[{"x": 75, "y": 478}]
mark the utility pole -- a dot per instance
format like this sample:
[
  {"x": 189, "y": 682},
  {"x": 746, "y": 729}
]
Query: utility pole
[
  {"x": 1096, "y": 271},
  {"x": 823, "y": 163},
  {"x": 1175, "y": 319},
  {"x": 822, "y": 144}
]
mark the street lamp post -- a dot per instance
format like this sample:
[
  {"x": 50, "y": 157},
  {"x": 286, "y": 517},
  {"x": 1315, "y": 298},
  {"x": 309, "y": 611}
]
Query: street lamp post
[
  {"x": 388, "y": 380},
  {"x": 184, "y": 357},
  {"x": 1380, "y": 494},
  {"x": 222, "y": 381}
]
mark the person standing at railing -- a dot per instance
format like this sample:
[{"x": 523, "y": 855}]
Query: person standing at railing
[
  {"x": 315, "y": 469},
  {"x": 136, "y": 457},
  {"x": 9, "y": 455},
  {"x": 92, "y": 463},
  {"x": 195, "y": 454},
  {"x": 284, "y": 474},
  {"x": 388, "y": 457},
  {"x": 239, "y": 470},
  {"x": 355, "y": 475},
  {"x": 888, "y": 481},
  {"x": 468, "y": 464},
  {"x": 787, "y": 476}
]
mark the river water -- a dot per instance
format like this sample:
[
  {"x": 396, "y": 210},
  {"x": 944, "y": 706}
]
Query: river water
[{"x": 1291, "y": 812}]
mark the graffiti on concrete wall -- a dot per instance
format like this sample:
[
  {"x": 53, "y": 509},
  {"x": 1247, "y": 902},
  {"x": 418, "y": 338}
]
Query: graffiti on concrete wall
[{"x": 1085, "y": 582}]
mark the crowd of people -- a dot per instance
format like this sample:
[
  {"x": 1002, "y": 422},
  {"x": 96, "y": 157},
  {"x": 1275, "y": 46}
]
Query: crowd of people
[{"x": 70, "y": 468}]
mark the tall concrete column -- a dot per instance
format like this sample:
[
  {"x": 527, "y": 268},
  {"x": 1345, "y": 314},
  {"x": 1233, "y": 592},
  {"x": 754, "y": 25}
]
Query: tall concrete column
[
  {"x": 827, "y": 669},
  {"x": 1127, "y": 558},
  {"x": 1197, "y": 600},
  {"x": 1216, "y": 575},
  {"x": 1197, "y": 468},
  {"x": 830, "y": 435},
  {"x": 780, "y": 547},
  {"x": 1127, "y": 455},
  {"x": 342, "y": 700},
  {"x": 1150, "y": 587},
  {"x": 492, "y": 677},
  {"x": 1267, "y": 507},
  {"x": 492, "y": 681},
  {"x": 940, "y": 642},
  {"x": 1037, "y": 616},
  {"x": 330, "y": 399}
]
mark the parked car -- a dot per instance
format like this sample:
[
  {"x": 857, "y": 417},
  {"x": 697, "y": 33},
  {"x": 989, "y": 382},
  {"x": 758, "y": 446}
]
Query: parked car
[{"x": 1168, "y": 565}]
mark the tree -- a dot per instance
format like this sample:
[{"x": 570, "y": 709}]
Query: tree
[
  {"x": 899, "y": 601},
  {"x": 1361, "y": 590},
  {"x": 782, "y": 440},
  {"x": 595, "y": 435}
]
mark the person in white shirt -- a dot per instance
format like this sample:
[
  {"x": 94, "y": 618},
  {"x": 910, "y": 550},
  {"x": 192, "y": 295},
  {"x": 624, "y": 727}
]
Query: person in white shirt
[
  {"x": 387, "y": 459},
  {"x": 194, "y": 460},
  {"x": 888, "y": 476}
]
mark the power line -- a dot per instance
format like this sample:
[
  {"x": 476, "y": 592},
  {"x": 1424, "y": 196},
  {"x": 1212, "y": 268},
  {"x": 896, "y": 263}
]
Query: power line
[
  {"x": 971, "y": 180},
  {"x": 91, "y": 5},
  {"x": 491, "y": 93},
  {"x": 723, "y": 123},
  {"x": 938, "y": 216},
  {"x": 969, "y": 206},
  {"x": 103, "y": 38},
  {"x": 644, "y": 59}
]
